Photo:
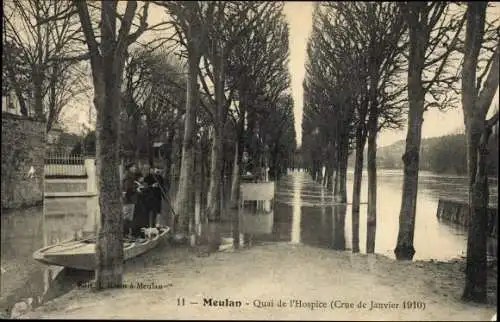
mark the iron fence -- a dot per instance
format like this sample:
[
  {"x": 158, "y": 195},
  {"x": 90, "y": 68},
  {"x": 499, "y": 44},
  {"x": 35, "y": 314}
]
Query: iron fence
[{"x": 59, "y": 165}]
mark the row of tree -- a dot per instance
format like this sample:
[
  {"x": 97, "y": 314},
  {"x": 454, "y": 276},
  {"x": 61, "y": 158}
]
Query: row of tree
[
  {"x": 358, "y": 56},
  {"x": 210, "y": 80},
  {"x": 33, "y": 69}
]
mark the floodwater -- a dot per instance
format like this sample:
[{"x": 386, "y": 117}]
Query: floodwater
[
  {"x": 26, "y": 283},
  {"x": 314, "y": 221},
  {"x": 303, "y": 214}
]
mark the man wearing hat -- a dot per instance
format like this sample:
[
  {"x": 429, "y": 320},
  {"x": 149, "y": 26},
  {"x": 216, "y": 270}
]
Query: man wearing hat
[{"x": 130, "y": 194}]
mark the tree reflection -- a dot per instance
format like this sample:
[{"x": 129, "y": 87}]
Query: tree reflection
[{"x": 338, "y": 214}]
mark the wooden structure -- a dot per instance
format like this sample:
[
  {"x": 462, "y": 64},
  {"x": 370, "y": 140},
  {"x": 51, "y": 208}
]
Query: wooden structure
[
  {"x": 255, "y": 210},
  {"x": 80, "y": 254}
]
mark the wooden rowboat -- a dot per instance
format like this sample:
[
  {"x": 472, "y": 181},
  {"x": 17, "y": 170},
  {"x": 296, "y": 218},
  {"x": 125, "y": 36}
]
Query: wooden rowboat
[{"x": 80, "y": 254}]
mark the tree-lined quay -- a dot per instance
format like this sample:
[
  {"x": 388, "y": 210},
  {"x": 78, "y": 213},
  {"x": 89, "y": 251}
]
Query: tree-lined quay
[
  {"x": 358, "y": 55},
  {"x": 206, "y": 87}
]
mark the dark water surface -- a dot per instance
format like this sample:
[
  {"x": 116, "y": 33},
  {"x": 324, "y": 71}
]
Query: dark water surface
[
  {"x": 24, "y": 282},
  {"x": 303, "y": 214}
]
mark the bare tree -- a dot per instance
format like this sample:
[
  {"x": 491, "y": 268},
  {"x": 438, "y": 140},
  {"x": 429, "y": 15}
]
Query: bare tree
[
  {"x": 477, "y": 97},
  {"x": 43, "y": 42},
  {"x": 351, "y": 91},
  {"x": 234, "y": 20},
  {"x": 257, "y": 69},
  {"x": 154, "y": 97},
  {"x": 433, "y": 36},
  {"x": 192, "y": 21},
  {"x": 107, "y": 60}
]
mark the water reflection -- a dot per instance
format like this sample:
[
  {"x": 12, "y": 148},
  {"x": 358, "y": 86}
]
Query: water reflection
[
  {"x": 297, "y": 211},
  {"x": 339, "y": 214},
  {"x": 304, "y": 214},
  {"x": 26, "y": 283},
  {"x": 21, "y": 277}
]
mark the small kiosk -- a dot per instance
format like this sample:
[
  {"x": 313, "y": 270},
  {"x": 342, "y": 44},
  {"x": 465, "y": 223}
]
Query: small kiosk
[{"x": 255, "y": 210}]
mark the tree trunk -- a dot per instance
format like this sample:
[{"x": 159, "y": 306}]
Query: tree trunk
[
  {"x": 110, "y": 241},
  {"x": 53, "y": 109},
  {"x": 216, "y": 168},
  {"x": 314, "y": 171},
  {"x": 213, "y": 195},
  {"x": 109, "y": 248},
  {"x": 183, "y": 192},
  {"x": 150, "y": 144},
  {"x": 168, "y": 158},
  {"x": 329, "y": 174},
  {"x": 416, "y": 96},
  {"x": 166, "y": 213},
  {"x": 356, "y": 190},
  {"x": 340, "y": 195},
  {"x": 333, "y": 161},
  {"x": 478, "y": 133},
  {"x": 325, "y": 176},
  {"x": 339, "y": 212},
  {"x": 22, "y": 101},
  {"x": 319, "y": 177},
  {"x": 235, "y": 179},
  {"x": 371, "y": 220},
  {"x": 476, "y": 268},
  {"x": 336, "y": 182},
  {"x": 38, "y": 92},
  {"x": 404, "y": 249},
  {"x": 250, "y": 140},
  {"x": 239, "y": 148},
  {"x": 135, "y": 134},
  {"x": 107, "y": 88}
]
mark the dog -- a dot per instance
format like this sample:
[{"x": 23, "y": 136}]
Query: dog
[
  {"x": 31, "y": 173},
  {"x": 150, "y": 232}
]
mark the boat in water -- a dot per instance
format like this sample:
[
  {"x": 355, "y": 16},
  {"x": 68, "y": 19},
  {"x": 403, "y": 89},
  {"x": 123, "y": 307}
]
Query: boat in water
[{"x": 80, "y": 254}]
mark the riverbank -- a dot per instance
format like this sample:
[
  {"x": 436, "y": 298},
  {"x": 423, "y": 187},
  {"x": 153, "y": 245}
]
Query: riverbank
[{"x": 175, "y": 282}]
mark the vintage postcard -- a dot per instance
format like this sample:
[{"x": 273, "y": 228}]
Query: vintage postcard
[{"x": 240, "y": 160}]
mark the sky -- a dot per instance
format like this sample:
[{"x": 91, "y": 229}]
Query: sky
[{"x": 299, "y": 16}]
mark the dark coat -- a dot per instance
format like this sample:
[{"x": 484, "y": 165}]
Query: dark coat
[
  {"x": 129, "y": 187},
  {"x": 155, "y": 193}
]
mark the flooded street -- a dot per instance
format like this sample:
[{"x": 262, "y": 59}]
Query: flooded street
[
  {"x": 313, "y": 221},
  {"x": 303, "y": 214},
  {"x": 26, "y": 283}
]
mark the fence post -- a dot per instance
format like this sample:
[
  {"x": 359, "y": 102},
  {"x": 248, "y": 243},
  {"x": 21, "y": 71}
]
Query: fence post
[{"x": 91, "y": 175}]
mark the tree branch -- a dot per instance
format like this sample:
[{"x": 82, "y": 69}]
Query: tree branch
[
  {"x": 143, "y": 25},
  {"x": 126, "y": 24},
  {"x": 491, "y": 84},
  {"x": 88, "y": 31}
]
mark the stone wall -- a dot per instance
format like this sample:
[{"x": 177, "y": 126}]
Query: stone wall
[
  {"x": 457, "y": 212},
  {"x": 23, "y": 147}
]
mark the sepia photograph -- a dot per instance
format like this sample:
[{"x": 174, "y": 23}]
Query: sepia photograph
[{"x": 250, "y": 160}]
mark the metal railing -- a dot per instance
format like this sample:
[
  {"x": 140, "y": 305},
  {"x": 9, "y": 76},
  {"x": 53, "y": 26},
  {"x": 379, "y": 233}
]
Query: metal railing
[{"x": 61, "y": 165}]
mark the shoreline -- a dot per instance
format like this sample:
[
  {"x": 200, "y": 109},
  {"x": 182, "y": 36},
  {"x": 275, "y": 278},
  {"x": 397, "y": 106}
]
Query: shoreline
[{"x": 180, "y": 283}]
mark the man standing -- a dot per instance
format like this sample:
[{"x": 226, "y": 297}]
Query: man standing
[
  {"x": 155, "y": 182},
  {"x": 130, "y": 195}
]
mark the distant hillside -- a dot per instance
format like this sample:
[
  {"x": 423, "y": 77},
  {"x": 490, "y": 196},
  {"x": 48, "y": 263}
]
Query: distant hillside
[{"x": 444, "y": 154}]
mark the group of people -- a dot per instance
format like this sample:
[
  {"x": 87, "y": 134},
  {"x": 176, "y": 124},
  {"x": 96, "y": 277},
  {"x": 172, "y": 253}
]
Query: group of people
[{"x": 142, "y": 198}]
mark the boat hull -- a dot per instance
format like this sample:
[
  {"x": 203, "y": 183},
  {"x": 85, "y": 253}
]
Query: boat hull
[{"x": 81, "y": 254}]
